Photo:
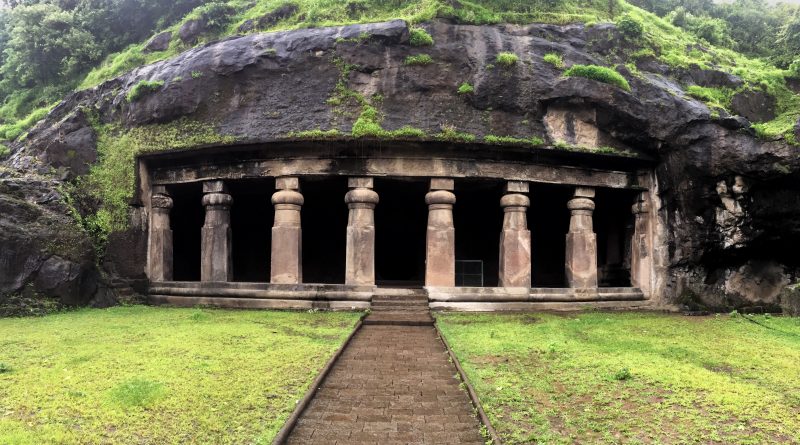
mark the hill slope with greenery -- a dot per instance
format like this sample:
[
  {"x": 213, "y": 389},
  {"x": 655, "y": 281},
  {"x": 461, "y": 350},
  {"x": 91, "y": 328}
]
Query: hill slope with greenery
[{"x": 50, "y": 47}]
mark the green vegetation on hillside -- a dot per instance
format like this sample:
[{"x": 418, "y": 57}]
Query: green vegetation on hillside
[
  {"x": 598, "y": 73},
  {"x": 610, "y": 378},
  {"x": 117, "y": 31},
  {"x": 159, "y": 375}
]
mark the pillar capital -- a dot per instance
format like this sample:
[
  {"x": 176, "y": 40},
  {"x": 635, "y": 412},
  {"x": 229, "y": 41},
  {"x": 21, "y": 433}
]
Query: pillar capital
[
  {"x": 442, "y": 184},
  {"x": 361, "y": 198},
  {"x": 219, "y": 200},
  {"x": 641, "y": 204},
  {"x": 288, "y": 197},
  {"x": 161, "y": 200},
  {"x": 440, "y": 198},
  {"x": 215, "y": 186},
  {"x": 287, "y": 183},
  {"x": 515, "y": 202}
]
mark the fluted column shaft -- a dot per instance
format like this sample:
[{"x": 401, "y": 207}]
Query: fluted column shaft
[
  {"x": 515, "y": 242},
  {"x": 217, "y": 240},
  {"x": 159, "y": 246},
  {"x": 641, "y": 260},
  {"x": 581, "y": 255},
  {"x": 440, "y": 253},
  {"x": 287, "y": 263},
  {"x": 360, "y": 252}
]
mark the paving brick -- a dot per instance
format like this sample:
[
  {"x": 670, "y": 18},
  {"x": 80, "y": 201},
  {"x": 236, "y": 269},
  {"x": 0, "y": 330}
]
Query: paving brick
[{"x": 393, "y": 384}]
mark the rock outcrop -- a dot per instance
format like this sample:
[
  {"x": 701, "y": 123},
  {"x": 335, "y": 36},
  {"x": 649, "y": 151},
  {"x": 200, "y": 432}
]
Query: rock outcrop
[{"x": 731, "y": 201}]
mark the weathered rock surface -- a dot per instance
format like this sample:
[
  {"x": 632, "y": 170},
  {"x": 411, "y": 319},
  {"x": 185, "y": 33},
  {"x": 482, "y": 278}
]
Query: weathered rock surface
[
  {"x": 159, "y": 42},
  {"x": 756, "y": 106},
  {"x": 731, "y": 201}
]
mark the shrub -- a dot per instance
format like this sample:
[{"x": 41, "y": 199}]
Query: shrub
[
  {"x": 600, "y": 74},
  {"x": 419, "y": 59},
  {"x": 466, "y": 88},
  {"x": 630, "y": 27},
  {"x": 622, "y": 374},
  {"x": 142, "y": 88},
  {"x": 4, "y": 368},
  {"x": 420, "y": 37},
  {"x": 506, "y": 59},
  {"x": 554, "y": 59},
  {"x": 794, "y": 69}
]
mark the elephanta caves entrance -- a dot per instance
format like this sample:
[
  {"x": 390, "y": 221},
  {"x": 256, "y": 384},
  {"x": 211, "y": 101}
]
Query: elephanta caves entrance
[{"x": 341, "y": 230}]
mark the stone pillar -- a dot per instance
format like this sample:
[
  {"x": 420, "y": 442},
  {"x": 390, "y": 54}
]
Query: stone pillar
[
  {"x": 440, "y": 253},
  {"x": 216, "y": 247},
  {"x": 159, "y": 248},
  {"x": 581, "y": 259},
  {"x": 287, "y": 260},
  {"x": 360, "y": 257},
  {"x": 515, "y": 238},
  {"x": 641, "y": 260}
]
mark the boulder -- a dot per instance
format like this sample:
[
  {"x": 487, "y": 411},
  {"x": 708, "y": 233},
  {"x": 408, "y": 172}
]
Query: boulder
[
  {"x": 708, "y": 77},
  {"x": 282, "y": 12},
  {"x": 790, "y": 300},
  {"x": 246, "y": 26},
  {"x": 191, "y": 30},
  {"x": 159, "y": 42},
  {"x": 755, "y": 105}
]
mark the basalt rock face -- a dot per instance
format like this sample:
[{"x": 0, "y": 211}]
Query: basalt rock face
[{"x": 730, "y": 202}]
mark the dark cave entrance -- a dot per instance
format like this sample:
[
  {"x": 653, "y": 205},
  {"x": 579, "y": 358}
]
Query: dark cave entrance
[
  {"x": 251, "y": 225},
  {"x": 324, "y": 223},
  {"x": 401, "y": 219},
  {"x": 478, "y": 219},
  {"x": 548, "y": 221},
  {"x": 613, "y": 224},
  {"x": 186, "y": 221}
]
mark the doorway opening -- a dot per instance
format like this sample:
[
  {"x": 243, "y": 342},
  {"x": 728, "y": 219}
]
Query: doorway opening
[
  {"x": 186, "y": 220},
  {"x": 324, "y": 222},
  {"x": 548, "y": 220},
  {"x": 478, "y": 219},
  {"x": 251, "y": 222},
  {"x": 613, "y": 224},
  {"x": 401, "y": 219}
]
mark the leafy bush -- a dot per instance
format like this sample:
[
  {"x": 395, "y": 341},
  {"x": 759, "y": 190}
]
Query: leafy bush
[
  {"x": 142, "y": 88},
  {"x": 506, "y": 59},
  {"x": 13, "y": 130},
  {"x": 554, "y": 59},
  {"x": 466, "y": 88},
  {"x": 600, "y": 74},
  {"x": 419, "y": 59},
  {"x": 794, "y": 69},
  {"x": 420, "y": 37},
  {"x": 630, "y": 27}
]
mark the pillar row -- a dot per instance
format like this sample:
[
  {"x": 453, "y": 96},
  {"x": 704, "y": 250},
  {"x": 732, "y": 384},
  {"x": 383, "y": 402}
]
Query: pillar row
[
  {"x": 581, "y": 256},
  {"x": 440, "y": 252},
  {"x": 360, "y": 257},
  {"x": 641, "y": 260},
  {"x": 286, "y": 264},
  {"x": 160, "y": 240},
  {"x": 216, "y": 247},
  {"x": 515, "y": 238}
]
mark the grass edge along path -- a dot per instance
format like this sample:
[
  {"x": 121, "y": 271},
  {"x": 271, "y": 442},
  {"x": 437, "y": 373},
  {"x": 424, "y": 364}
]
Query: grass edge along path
[
  {"x": 600, "y": 377},
  {"x": 160, "y": 375}
]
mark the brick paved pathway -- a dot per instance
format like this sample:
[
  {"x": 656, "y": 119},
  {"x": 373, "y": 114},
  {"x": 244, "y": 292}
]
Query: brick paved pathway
[{"x": 391, "y": 385}]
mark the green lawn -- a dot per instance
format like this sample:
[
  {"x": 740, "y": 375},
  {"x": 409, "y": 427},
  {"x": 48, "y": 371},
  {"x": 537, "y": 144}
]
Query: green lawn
[
  {"x": 599, "y": 377},
  {"x": 145, "y": 375}
]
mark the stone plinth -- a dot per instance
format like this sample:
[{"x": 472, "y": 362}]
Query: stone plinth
[
  {"x": 515, "y": 242},
  {"x": 440, "y": 253},
  {"x": 286, "y": 264},
  {"x": 641, "y": 260},
  {"x": 216, "y": 246},
  {"x": 581, "y": 258},
  {"x": 159, "y": 249},
  {"x": 360, "y": 251}
]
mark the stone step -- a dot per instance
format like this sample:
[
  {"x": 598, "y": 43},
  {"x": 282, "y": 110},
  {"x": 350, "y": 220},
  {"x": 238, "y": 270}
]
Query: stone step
[
  {"x": 400, "y": 298},
  {"x": 400, "y": 303},
  {"x": 400, "y": 292},
  {"x": 399, "y": 319}
]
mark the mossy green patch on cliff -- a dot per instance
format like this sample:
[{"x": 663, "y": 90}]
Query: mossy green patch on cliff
[
  {"x": 533, "y": 141},
  {"x": 111, "y": 180},
  {"x": 419, "y": 37},
  {"x": 600, "y": 74},
  {"x": 14, "y": 130},
  {"x": 142, "y": 88},
  {"x": 418, "y": 59},
  {"x": 554, "y": 59},
  {"x": 714, "y": 97},
  {"x": 506, "y": 59},
  {"x": 450, "y": 133}
]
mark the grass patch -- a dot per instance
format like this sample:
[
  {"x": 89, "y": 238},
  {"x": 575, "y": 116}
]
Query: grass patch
[
  {"x": 554, "y": 59},
  {"x": 160, "y": 375},
  {"x": 506, "y": 59},
  {"x": 466, "y": 88},
  {"x": 607, "y": 378},
  {"x": 419, "y": 37},
  {"x": 534, "y": 141},
  {"x": 600, "y": 74},
  {"x": 713, "y": 97},
  {"x": 14, "y": 130},
  {"x": 418, "y": 59},
  {"x": 4, "y": 151},
  {"x": 449, "y": 133},
  {"x": 315, "y": 134},
  {"x": 143, "y": 88}
]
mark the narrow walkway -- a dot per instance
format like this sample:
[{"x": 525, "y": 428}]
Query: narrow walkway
[{"x": 391, "y": 385}]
